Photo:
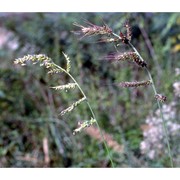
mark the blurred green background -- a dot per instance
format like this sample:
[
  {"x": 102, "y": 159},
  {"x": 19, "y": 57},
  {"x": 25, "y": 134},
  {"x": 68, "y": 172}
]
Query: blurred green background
[{"x": 32, "y": 133}]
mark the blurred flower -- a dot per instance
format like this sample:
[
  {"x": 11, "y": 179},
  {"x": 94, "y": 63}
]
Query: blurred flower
[
  {"x": 177, "y": 71},
  {"x": 176, "y": 86},
  {"x": 154, "y": 143}
]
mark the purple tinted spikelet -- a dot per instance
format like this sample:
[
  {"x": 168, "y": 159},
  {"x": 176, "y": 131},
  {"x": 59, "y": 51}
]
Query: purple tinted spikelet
[
  {"x": 137, "y": 60},
  {"x": 127, "y": 56},
  {"x": 135, "y": 84}
]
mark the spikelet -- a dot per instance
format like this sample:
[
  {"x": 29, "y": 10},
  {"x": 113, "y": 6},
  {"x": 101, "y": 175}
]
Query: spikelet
[
  {"x": 54, "y": 71},
  {"x": 137, "y": 60},
  {"x": 83, "y": 125},
  {"x": 118, "y": 57},
  {"x": 70, "y": 108},
  {"x": 125, "y": 57},
  {"x": 160, "y": 97},
  {"x": 66, "y": 86},
  {"x": 68, "y": 62},
  {"x": 135, "y": 84}
]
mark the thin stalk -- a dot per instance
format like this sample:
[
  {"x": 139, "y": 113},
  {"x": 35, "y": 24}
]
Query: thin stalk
[
  {"x": 159, "y": 106},
  {"x": 105, "y": 144},
  {"x": 92, "y": 112},
  {"x": 162, "y": 117}
]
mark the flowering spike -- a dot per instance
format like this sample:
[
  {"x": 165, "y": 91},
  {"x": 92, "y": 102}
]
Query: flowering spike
[
  {"x": 42, "y": 58},
  {"x": 68, "y": 66},
  {"x": 135, "y": 84},
  {"x": 92, "y": 29},
  {"x": 55, "y": 71},
  {"x": 70, "y": 108},
  {"x": 84, "y": 125},
  {"x": 66, "y": 86},
  {"x": 127, "y": 56}
]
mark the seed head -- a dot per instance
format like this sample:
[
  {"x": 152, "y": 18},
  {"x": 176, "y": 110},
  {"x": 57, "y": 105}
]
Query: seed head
[
  {"x": 127, "y": 56},
  {"x": 70, "y": 108},
  {"x": 135, "y": 84},
  {"x": 83, "y": 125},
  {"x": 65, "y": 87}
]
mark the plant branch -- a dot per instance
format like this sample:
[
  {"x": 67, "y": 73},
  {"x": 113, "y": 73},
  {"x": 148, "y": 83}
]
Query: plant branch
[{"x": 159, "y": 106}]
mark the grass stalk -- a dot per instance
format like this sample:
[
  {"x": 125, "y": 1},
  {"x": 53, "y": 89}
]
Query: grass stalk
[
  {"x": 159, "y": 105},
  {"x": 92, "y": 112}
]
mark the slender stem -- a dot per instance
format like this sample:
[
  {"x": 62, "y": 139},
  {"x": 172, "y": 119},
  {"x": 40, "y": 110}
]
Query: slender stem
[
  {"x": 152, "y": 82},
  {"x": 105, "y": 144},
  {"x": 93, "y": 115},
  {"x": 159, "y": 106},
  {"x": 162, "y": 117},
  {"x": 166, "y": 134}
]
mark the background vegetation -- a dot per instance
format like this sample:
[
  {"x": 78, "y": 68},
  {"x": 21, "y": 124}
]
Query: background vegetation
[{"x": 32, "y": 133}]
